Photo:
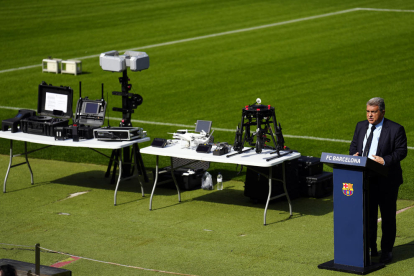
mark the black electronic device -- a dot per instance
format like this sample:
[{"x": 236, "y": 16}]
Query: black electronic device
[
  {"x": 222, "y": 148},
  {"x": 54, "y": 109},
  {"x": 89, "y": 115},
  {"x": 119, "y": 133},
  {"x": 203, "y": 148},
  {"x": 159, "y": 142},
  {"x": 74, "y": 132},
  {"x": 14, "y": 123}
]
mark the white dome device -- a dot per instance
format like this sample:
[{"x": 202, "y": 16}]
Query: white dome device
[{"x": 114, "y": 62}]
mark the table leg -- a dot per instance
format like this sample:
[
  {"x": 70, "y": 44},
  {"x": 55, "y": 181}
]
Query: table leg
[
  {"x": 155, "y": 182},
  {"x": 111, "y": 160},
  {"x": 116, "y": 158},
  {"x": 269, "y": 195},
  {"x": 284, "y": 187},
  {"x": 16, "y": 165},
  {"x": 136, "y": 168},
  {"x": 27, "y": 161},
  {"x": 175, "y": 180},
  {"x": 141, "y": 163},
  {"x": 8, "y": 169},
  {"x": 119, "y": 156}
]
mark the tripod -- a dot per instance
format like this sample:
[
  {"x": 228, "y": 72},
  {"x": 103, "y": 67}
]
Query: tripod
[{"x": 130, "y": 101}]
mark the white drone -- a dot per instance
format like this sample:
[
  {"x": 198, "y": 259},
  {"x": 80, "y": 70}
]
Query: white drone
[{"x": 190, "y": 139}]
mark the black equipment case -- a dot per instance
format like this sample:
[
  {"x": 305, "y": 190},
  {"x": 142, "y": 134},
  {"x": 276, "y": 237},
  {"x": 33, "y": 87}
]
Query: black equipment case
[
  {"x": 313, "y": 181},
  {"x": 320, "y": 185},
  {"x": 257, "y": 185},
  {"x": 185, "y": 180},
  {"x": 308, "y": 165},
  {"x": 51, "y": 101}
]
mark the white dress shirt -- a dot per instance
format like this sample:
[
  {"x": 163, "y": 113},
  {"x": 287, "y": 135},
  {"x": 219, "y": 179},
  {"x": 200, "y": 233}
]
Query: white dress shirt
[{"x": 375, "y": 139}]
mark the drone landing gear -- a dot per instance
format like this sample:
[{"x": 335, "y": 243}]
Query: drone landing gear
[{"x": 279, "y": 155}]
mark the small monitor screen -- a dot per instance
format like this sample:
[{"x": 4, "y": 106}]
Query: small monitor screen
[
  {"x": 55, "y": 101},
  {"x": 203, "y": 125},
  {"x": 91, "y": 108}
]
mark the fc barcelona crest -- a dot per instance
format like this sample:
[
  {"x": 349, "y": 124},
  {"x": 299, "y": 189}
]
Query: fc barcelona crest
[{"x": 348, "y": 189}]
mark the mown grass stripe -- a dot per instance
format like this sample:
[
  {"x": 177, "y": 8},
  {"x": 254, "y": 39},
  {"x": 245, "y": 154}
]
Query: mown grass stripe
[{"x": 226, "y": 33}]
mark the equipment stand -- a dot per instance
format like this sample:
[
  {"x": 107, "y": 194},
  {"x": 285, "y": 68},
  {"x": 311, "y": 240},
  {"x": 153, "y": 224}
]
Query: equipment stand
[
  {"x": 137, "y": 161},
  {"x": 130, "y": 102}
]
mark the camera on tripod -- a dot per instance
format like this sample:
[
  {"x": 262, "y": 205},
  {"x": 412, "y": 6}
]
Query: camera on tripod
[{"x": 114, "y": 62}]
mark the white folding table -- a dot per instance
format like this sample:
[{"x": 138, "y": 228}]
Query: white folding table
[
  {"x": 249, "y": 158},
  {"x": 92, "y": 144}
]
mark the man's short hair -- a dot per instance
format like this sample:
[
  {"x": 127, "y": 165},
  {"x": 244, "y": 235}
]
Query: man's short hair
[
  {"x": 8, "y": 270},
  {"x": 377, "y": 101}
]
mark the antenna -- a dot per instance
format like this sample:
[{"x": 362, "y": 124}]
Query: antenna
[
  {"x": 107, "y": 101},
  {"x": 75, "y": 121},
  {"x": 102, "y": 91}
]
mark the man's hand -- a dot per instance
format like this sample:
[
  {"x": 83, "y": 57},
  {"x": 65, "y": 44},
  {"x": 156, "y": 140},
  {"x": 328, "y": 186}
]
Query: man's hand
[
  {"x": 356, "y": 154},
  {"x": 378, "y": 159}
]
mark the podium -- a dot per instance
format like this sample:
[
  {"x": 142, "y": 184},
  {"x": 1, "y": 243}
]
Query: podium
[{"x": 350, "y": 196}]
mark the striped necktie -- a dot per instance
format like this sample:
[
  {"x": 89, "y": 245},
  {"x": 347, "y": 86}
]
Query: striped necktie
[{"x": 369, "y": 142}]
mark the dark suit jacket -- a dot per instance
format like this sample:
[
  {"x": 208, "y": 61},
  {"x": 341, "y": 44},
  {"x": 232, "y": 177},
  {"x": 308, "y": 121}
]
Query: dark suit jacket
[{"x": 392, "y": 146}]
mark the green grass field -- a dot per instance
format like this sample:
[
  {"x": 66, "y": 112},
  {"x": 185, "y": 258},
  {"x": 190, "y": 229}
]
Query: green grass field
[
  {"x": 316, "y": 61},
  {"x": 208, "y": 233}
]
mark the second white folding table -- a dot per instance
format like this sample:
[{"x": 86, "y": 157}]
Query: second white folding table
[{"x": 249, "y": 158}]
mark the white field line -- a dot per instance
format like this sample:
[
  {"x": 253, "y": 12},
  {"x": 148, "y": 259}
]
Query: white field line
[
  {"x": 111, "y": 263},
  {"x": 225, "y": 33},
  {"x": 190, "y": 127},
  {"x": 383, "y": 10}
]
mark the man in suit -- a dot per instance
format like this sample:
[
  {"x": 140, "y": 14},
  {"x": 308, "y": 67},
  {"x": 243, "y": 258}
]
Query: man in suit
[{"x": 385, "y": 142}]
